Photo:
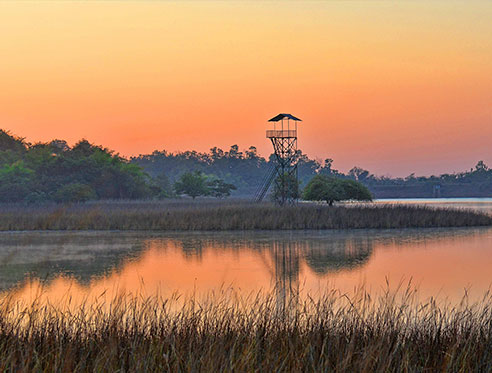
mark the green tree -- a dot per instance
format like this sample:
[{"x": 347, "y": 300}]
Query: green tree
[
  {"x": 15, "y": 182},
  {"x": 162, "y": 182},
  {"x": 285, "y": 188},
  {"x": 193, "y": 184},
  {"x": 355, "y": 190},
  {"x": 219, "y": 189},
  {"x": 75, "y": 192},
  {"x": 11, "y": 142},
  {"x": 54, "y": 171},
  {"x": 331, "y": 189}
]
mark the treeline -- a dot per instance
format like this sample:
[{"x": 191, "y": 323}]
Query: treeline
[
  {"x": 477, "y": 182},
  {"x": 246, "y": 170},
  {"x": 54, "y": 171}
]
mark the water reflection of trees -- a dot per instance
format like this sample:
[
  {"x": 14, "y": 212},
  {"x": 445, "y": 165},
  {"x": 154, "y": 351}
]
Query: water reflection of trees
[
  {"x": 339, "y": 255},
  {"x": 283, "y": 254},
  {"x": 85, "y": 256},
  {"x": 321, "y": 256},
  {"x": 46, "y": 256}
]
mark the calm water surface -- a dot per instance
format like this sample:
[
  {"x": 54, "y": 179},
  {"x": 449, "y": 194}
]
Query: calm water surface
[
  {"x": 81, "y": 266},
  {"x": 476, "y": 204}
]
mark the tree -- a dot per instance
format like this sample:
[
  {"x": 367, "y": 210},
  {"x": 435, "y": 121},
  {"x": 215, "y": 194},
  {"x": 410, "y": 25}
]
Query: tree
[
  {"x": 219, "y": 189},
  {"x": 331, "y": 189},
  {"x": 166, "y": 189},
  {"x": 75, "y": 192},
  {"x": 193, "y": 184},
  {"x": 53, "y": 171},
  {"x": 355, "y": 190},
  {"x": 358, "y": 173},
  {"x": 285, "y": 187},
  {"x": 481, "y": 167},
  {"x": 59, "y": 146},
  {"x": 15, "y": 182},
  {"x": 11, "y": 142}
]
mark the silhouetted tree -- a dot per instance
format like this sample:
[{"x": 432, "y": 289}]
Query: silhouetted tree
[{"x": 358, "y": 173}]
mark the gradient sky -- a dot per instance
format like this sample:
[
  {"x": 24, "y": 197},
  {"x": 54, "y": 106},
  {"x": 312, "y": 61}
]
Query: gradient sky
[{"x": 394, "y": 88}]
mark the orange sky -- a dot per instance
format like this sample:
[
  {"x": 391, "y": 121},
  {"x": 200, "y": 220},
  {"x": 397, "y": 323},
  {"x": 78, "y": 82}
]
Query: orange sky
[{"x": 394, "y": 88}]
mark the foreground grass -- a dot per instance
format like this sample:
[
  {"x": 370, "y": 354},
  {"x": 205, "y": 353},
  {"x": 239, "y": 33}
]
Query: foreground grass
[
  {"x": 336, "y": 333},
  {"x": 229, "y": 216}
]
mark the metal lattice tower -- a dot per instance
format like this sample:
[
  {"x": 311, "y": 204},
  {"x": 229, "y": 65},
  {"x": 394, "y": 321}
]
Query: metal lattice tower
[{"x": 284, "y": 174}]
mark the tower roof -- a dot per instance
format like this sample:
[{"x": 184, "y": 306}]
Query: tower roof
[{"x": 284, "y": 116}]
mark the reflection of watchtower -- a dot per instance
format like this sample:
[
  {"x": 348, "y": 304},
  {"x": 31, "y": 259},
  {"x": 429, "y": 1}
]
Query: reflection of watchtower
[
  {"x": 284, "y": 174},
  {"x": 286, "y": 256},
  {"x": 284, "y": 266}
]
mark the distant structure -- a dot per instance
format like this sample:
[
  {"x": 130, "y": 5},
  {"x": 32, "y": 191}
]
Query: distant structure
[
  {"x": 284, "y": 173},
  {"x": 436, "y": 191}
]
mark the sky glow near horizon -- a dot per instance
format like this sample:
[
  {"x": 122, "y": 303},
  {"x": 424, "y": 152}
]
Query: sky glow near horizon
[{"x": 393, "y": 88}]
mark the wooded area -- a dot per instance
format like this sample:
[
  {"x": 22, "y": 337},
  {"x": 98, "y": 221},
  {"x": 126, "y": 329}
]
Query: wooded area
[{"x": 54, "y": 171}]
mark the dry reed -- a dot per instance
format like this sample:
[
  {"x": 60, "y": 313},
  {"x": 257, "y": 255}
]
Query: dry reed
[
  {"x": 335, "y": 333},
  {"x": 177, "y": 215}
]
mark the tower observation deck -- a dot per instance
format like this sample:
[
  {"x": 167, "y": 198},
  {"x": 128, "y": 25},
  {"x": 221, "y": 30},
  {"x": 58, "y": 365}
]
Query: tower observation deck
[{"x": 284, "y": 174}]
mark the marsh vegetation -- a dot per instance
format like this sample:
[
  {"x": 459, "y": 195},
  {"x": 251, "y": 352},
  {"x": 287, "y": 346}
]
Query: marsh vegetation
[
  {"x": 391, "y": 333},
  {"x": 211, "y": 215}
]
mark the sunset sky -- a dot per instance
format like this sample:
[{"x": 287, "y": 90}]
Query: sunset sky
[{"x": 392, "y": 87}]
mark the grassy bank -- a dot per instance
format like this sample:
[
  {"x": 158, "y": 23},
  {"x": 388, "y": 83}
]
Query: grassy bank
[
  {"x": 336, "y": 334},
  {"x": 178, "y": 215}
]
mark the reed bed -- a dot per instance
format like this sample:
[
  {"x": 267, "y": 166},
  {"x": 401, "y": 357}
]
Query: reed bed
[
  {"x": 334, "y": 333},
  {"x": 217, "y": 216}
]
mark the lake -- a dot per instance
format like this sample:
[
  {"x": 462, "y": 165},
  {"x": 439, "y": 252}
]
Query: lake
[
  {"x": 75, "y": 267},
  {"x": 476, "y": 204}
]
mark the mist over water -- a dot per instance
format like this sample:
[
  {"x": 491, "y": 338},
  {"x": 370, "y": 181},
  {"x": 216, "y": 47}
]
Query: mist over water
[{"x": 78, "y": 267}]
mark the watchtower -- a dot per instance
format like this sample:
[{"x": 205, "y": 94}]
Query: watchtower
[{"x": 284, "y": 140}]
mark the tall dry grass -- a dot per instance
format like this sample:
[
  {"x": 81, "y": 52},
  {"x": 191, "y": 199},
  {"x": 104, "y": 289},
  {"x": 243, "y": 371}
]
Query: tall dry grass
[
  {"x": 177, "y": 215},
  {"x": 334, "y": 333}
]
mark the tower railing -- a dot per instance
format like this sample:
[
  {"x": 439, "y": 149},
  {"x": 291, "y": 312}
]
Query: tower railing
[{"x": 281, "y": 133}]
